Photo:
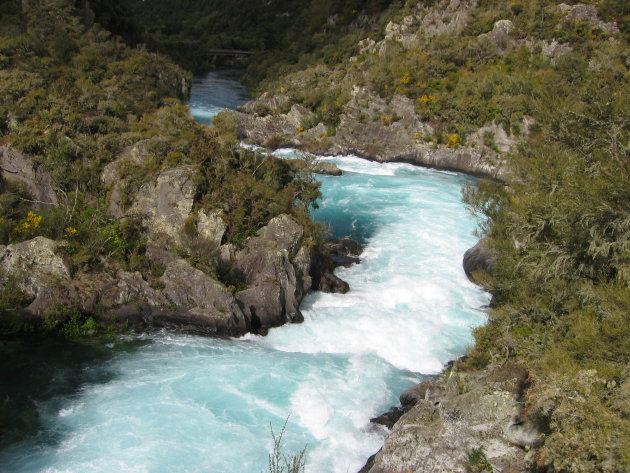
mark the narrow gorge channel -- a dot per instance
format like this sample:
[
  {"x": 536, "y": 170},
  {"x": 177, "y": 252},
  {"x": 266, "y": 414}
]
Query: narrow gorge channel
[{"x": 165, "y": 402}]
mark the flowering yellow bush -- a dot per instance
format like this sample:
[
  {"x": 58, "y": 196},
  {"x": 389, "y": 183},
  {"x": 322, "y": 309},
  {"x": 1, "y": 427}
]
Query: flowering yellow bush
[
  {"x": 70, "y": 232},
  {"x": 405, "y": 79},
  {"x": 427, "y": 99},
  {"x": 453, "y": 141},
  {"x": 30, "y": 223}
]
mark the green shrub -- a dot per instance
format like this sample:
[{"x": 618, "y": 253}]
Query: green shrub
[{"x": 477, "y": 461}]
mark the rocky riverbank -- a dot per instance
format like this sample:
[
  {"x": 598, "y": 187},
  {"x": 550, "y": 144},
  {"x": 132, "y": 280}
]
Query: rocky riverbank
[
  {"x": 363, "y": 131},
  {"x": 462, "y": 421},
  {"x": 251, "y": 289}
]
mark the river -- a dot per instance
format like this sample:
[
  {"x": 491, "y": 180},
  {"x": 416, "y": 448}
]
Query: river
[{"x": 165, "y": 402}]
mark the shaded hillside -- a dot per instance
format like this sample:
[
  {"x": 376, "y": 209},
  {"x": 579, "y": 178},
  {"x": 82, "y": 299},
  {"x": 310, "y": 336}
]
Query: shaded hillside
[{"x": 278, "y": 31}]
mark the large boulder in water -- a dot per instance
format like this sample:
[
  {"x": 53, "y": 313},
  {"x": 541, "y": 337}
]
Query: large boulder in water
[
  {"x": 332, "y": 254},
  {"x": 275, "y": 276}
]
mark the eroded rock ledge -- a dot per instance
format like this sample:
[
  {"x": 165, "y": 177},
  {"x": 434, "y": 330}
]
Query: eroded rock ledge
[
  {"x": 363, "y": 131},
  {"x": 449, "y": 424}
]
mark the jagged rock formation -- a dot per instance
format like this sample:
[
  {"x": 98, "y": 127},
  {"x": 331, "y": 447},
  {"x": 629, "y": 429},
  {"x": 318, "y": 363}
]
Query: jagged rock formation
[
  {"x": 275, "y": 266},
  {"x": 480, "y": 257},
  {"x": 363, "y": 132},
  {"x": 266, "y": 279},
  {"x": 454, "y": 423}
]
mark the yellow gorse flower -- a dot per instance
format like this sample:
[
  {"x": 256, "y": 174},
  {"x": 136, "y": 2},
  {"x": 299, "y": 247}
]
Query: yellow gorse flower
[
  {"x": 31, "y": 222},
  {"x": 34, "y": 219},
  {"x": 453, "y": 141},
  {"x": 70, "y": 231},
  {"x": 427, "y": 99}
]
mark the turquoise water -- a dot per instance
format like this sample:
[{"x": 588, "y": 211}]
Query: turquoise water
[
  {"x": 214, "y": 92},
  {"x": 165, "y": 402}
]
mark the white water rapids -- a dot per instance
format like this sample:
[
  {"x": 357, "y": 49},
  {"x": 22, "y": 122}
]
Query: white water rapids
[{"x": 185, "y": 404}]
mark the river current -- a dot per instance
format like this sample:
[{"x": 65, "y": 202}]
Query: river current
[{"x": 165, "y": 402}]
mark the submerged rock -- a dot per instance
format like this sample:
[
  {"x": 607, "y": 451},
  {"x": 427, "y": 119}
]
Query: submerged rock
[{"x": 343, "y": 251}]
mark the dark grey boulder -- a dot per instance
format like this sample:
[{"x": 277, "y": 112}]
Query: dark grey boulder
[
  {"x": 269, "y": 265},
  {"x": 479, "y": 257}
]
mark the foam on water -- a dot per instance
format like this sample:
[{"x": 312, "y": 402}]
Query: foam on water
[
  {"x": 410, "y": 302},
  {"x": 179, "y": 403}
]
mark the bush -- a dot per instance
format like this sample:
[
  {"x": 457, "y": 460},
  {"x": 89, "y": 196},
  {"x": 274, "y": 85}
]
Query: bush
[{"x": 279, "y": 462}]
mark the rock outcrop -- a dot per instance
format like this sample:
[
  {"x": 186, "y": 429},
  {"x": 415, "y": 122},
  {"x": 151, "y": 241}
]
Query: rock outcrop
[
  {"x": 34, "y": 264},
  {"x": 190, "y": 280},
  {"x": 343, "y": 251},
  {"x": 275, "y": 284},
  {"x": 269, "y": 276},
  {"x": 16, "y": 167},
  {"x": 334, "y": 253},
  {"x": 587, "y": 14},
  {"x": 276, "y": 269},
  {"x": 480, "y": 257},
  {"x": 165, "y": 202},
  {"x": 373, "y": 128},
  {"x": 274, "y": 265},
  {"x": 447, "y": 420}
]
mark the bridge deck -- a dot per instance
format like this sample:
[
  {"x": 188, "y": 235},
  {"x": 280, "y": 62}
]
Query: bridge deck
[{"x": 228, "y": 52}]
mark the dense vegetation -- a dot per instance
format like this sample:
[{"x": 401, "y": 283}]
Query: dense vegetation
[
  {"x": 72, "y": 98},
  {"x": 561, "y": 286},
  {"x": 279, "y": 31}
]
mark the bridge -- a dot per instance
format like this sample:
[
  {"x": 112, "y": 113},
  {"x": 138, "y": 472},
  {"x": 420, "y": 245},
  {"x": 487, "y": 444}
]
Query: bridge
[{"x": 228, "y": 52}]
